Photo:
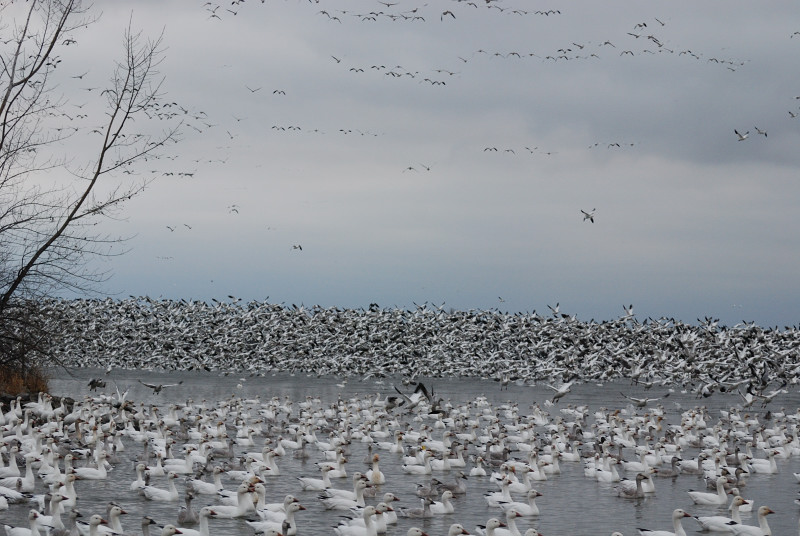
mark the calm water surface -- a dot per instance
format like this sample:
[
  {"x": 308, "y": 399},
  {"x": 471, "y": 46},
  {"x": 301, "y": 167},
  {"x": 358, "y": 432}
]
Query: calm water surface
[{"x": 571, "y": 503}]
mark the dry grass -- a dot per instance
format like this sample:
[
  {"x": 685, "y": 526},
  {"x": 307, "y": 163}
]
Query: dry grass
[{"x": 14, "y": 381}]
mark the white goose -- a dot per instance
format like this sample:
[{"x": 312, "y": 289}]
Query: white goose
[
  {"x": 139, "y": 482},
  {"x": 708, "y": 498},
  {"x": 93, "y": 524},
  {"x": 207, "y": 488},
  {"x": 375, "y": 476},
  {"x": 170, "y": 530},
  {"x": 31, "y": 530},
  {"x": 288, "y": 525},
  {"x": 317, "y": 484},
  {"x": 276, "y": 511},
  {"x": 381, "y": 520},
  {"x": 346, "y": 493},
  {"x": 202, "y": 529},
  {"x": 369, "y": 528},
  {"x": 721, "y": 523},
  {"x": 479, "y": 469},
  {"x": 761, "y": 530},
  {"x": 511, "y": 528},
  {"x": 424, "y": 469},
  {"x": 244, "y": 504},
  {"x": 339, "y": 502},
  {"x": 94, "y": 473},
  {"x": 456, "y": 529},
  {"x": 489, "y": 529},
  {"x": 677, "y": 528},
  {"x": 528, "y": 509},
  {"x": 11, "y": 470},
  {"x": 444, "y": 506},
  {"x": 765, "y": 466},
  {"x": 27, "y": 483},
  {"x": 503, "y": 496},
  {"x": 153, "y": 493}
]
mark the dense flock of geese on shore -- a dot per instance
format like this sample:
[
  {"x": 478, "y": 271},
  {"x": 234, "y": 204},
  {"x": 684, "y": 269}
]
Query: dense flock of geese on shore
[{"x": 373, "y": 464}]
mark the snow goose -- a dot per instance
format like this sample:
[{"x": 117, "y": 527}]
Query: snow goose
[
  {"x": 630, "y": 489},
  {"x": 31, "y": 530},
  {"x": 317, "y": 484},
  {"x": 511, "y": 528},
  {"x": 68, "y": 491},
  {"x": 381, "y": 509},
  {"x": 422, "y": 512},
  {"x": 287, "y": 526},
  {"x": 601, "y": 474},
  {"x": 424, "y": 469},
  {"x": 458, "y": 486},
  {"x": 764, "y": 466},
  {"x": 24, "y": 484},
  {"x": 721, "y": 523},
  {"x": 761, "y": 530},
  {"x": 271, "y": 532},
  {"x": 94, "y": 473},
  {"x": 153, "y": 493},
  {"x": 139, "y": 482},
  {"x": 11, "y": 470},
  {"x": 480, "y": 470},
  {"x": 640, "y": 466},
  {"x": 708, "y": 498},
  {"x": 444, "y": 506},
  {"x": 71, "y": 527},
  {"x": 747, "y": 506},
  {"x": 114, "y": 522},
  {"x": 677, "y": 528},
  {"x": 490, "y": 527},
  {"x": 374, "y": 475},
  {"x": 202, "y": 530},
  {"x": 243, "y": 506},
  {"x": 346, "y": 493},
  {"x": 207, "y": 488},
  {"x": 54, "y": 519},
  {"x": 339, "y": 502},
  {"x": 170, "y": 530},
  {"x": 266, "y": 512},
  {"x": 187, "y": 515},
  {"x": 672, "y": 471},
  {"x": 92, "y": 525},
  {"x": 693, "y": 466},
  {"x": 528, "y": 509},
  {"x": 456, "y": 529},
  {"x": 106, "y": 528},
  {"x": 496, "y": 497},
  {"x": 369, "y": 528}
]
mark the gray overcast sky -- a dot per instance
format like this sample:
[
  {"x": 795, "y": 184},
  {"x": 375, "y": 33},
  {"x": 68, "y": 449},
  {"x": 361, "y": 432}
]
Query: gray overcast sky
[{"x": 423, "y": 156}]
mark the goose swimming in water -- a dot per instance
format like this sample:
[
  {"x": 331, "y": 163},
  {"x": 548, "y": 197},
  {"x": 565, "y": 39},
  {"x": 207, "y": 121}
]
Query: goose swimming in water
[
  {"x": 153, "y": 493},
  {"x": 677, "y": 528},
  {"x": 205, "y": 513},
  {"x": 287, "y": 525},
  {"x": 762, "y": 529},
  {"x": 721, "y": 523},
  {"x": 706, "y": 498}
]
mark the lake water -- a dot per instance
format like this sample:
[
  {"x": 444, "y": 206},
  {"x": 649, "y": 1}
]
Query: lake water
[{"x": 571, "y": 503}]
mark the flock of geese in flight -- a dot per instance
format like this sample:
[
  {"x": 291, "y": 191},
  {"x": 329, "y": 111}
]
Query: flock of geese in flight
[{"x": 260, "y": 338}]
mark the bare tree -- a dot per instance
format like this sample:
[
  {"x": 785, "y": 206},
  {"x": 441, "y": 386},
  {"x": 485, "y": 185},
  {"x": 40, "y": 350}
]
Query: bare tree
[{"x": 52, "y": 201}]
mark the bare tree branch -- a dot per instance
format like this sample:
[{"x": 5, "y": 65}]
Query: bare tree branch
[{"x": 51, "y": 204}]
